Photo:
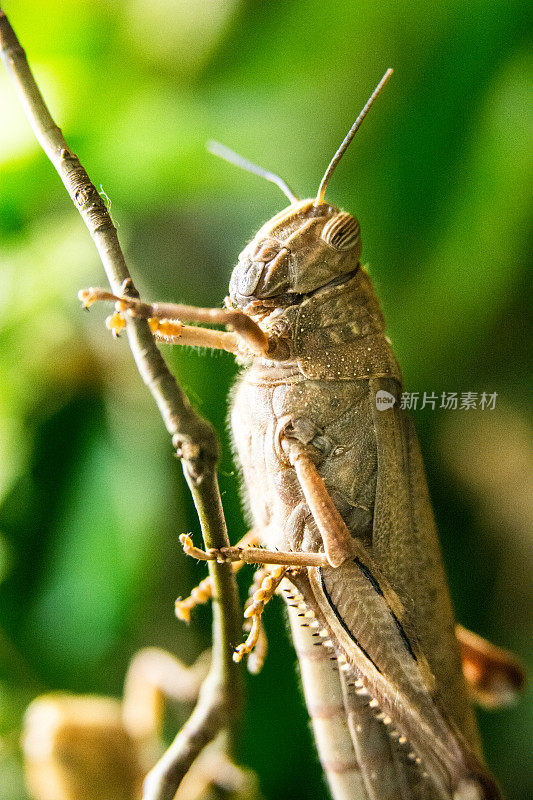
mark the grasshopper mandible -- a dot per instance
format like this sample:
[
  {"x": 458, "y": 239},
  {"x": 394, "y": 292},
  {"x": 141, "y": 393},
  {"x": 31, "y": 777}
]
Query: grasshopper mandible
[{"x": 338, "y": 497}]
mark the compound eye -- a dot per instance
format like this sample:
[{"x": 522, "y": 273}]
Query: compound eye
[{"x": 342, "y": 231}]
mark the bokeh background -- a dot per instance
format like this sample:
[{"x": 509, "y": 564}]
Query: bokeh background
[{"x": 91, "y": 499}]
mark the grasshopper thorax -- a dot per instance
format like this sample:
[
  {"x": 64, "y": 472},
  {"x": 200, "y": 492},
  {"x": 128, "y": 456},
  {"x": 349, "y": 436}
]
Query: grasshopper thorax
[{"x": 299, "y": 250}]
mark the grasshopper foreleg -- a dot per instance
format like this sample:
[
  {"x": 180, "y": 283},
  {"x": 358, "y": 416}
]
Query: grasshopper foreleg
[{"x": 165, "y": 323}]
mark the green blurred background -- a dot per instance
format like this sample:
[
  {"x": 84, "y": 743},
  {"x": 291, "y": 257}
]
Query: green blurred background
[{"x": 91, "y": 499}]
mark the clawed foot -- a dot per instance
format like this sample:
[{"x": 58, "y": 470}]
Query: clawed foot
[
  {"x": 266, "y": 582},
  {"x": 166, "y": 329}
]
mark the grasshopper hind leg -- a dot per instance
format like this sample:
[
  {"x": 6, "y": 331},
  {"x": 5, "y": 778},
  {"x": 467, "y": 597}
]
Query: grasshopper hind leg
[
  {"x": 364, "y": 757},
  {"x": 389, "y": 767}
]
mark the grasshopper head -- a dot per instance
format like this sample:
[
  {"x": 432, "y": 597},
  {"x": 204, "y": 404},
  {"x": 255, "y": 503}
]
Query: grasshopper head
[
  {"x": 301, "y": 249},
  {"x": 304, "y": 247}
]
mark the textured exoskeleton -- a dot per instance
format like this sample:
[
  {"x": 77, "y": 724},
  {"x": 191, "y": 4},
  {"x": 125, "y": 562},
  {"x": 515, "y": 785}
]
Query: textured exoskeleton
[
  {"x": 335, "y": 485},
  {"x": 337, "y": 495},
  {"x": 395, "y": 720}
]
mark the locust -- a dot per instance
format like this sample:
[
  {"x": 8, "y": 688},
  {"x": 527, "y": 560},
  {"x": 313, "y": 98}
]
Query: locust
[{"x": 342, "y": 522}]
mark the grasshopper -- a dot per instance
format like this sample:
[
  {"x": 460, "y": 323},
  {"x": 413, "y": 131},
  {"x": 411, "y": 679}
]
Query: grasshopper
[{"x": 336, "y": 489}]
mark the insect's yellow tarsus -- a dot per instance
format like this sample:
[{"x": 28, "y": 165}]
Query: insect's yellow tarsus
[
  {"x": 348, "y": 138},
  {"x": 254, "y": 610},
  {"x": 200, "y": 595}
]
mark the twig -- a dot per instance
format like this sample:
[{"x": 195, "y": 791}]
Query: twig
[{"x": 193, "y": 437}]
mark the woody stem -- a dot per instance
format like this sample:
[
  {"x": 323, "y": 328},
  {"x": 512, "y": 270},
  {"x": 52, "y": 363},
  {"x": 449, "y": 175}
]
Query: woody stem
[{"x": 192, "y": 436}]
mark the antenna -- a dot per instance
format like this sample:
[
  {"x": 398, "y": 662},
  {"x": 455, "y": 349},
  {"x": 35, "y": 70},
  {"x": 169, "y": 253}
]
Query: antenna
[
  {"x": 234, "y": 158},
  {"x": 348, "y": 138}
]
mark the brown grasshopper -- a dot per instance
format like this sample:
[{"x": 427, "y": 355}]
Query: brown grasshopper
[{"x": 337, "y": 493}]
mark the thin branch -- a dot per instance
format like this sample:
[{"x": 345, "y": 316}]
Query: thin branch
[{"x": 192, "y": 436}]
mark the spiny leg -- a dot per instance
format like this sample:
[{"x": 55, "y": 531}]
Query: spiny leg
[
  {"x": 324, "y": 511},
  {"x": 163, "y": 315},
  {"x": 337, "y": 539},
  {"x": 494, "y": 675},
  {"x": 295, "y": 559},
  {"x": 339, "y": 544}
]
